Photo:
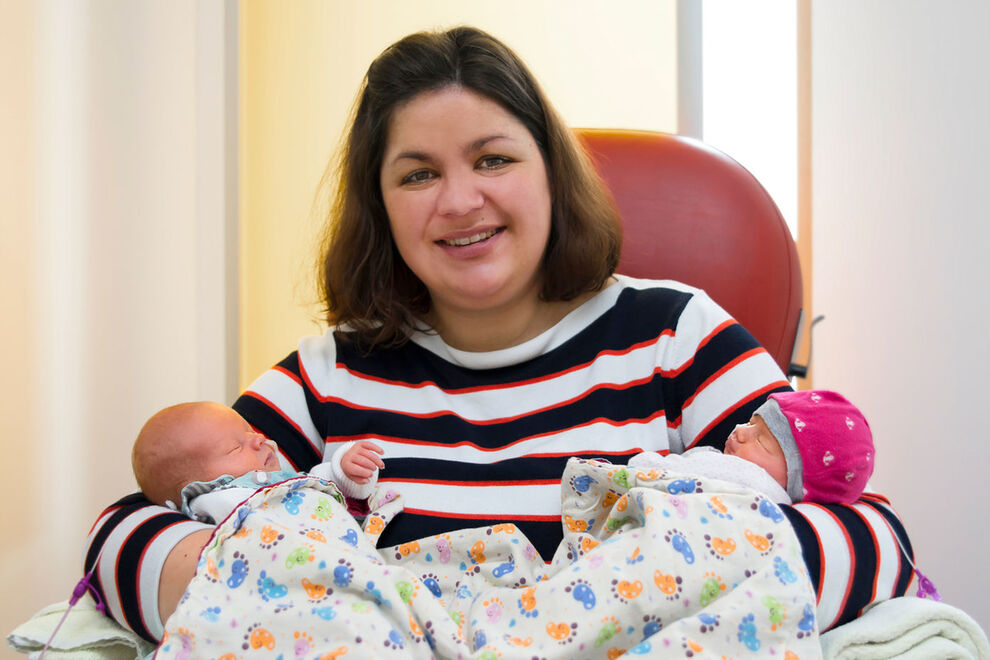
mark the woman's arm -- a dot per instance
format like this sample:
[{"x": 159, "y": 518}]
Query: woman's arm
[{"x": 178, "y": 571}]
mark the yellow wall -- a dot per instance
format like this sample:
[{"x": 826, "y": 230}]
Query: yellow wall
[{"x": 302, "y": 63}]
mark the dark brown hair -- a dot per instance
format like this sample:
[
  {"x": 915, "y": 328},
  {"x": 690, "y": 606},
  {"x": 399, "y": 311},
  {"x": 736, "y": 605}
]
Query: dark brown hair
[{"x": 364, "y": 282}]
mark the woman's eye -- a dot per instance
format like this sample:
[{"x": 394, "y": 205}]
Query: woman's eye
[
  {"x": 419, "y": 176},
  {"x": 493, "y": 162}
]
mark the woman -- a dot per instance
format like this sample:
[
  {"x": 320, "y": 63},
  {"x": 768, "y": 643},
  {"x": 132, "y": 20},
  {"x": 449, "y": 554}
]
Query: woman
[{"x": 479, "y": 334}]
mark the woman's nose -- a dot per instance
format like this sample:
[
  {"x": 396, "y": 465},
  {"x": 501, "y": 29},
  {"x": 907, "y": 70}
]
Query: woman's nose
[{"x": 459, "y": 194}]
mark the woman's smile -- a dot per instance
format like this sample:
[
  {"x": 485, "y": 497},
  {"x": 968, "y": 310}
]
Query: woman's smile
[{"x": 470, "y": 240}]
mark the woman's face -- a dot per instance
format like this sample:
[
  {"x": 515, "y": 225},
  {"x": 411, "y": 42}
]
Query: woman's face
[{"x": 468, "y": 200}]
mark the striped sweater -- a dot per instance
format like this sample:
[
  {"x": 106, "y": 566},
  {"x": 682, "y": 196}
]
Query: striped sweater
[{"x": 476, "y": 439}]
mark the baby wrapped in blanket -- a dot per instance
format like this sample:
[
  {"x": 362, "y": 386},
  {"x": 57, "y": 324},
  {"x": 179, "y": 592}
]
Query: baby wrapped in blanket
[{"x": 203, "y": 458}]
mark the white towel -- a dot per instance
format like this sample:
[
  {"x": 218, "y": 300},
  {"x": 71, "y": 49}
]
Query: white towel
[
  {"x": 86, "y": 633},
  {"x": 908, "y": 628}
]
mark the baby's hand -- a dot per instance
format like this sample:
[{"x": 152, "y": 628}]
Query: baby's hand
[{"x": 360, "y": 461}]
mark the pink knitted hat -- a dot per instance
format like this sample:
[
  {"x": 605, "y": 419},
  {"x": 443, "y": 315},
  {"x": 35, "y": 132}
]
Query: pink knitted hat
[{"x": 826, "y": 441}]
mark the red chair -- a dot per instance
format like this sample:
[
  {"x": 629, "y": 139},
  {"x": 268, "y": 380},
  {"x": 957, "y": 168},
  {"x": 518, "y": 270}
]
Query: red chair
[{"x": 690, "y": 213}]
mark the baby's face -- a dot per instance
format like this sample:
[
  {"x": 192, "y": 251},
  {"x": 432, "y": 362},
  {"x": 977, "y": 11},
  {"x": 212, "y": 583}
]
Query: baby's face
[
  {"x": 226, "y": 444},
  {"x": 755, "y": 443}
]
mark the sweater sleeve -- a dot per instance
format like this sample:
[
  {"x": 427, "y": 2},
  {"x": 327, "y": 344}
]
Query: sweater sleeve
[
  {"x": 130, "y": 542},
  {"x": 853, "y": 555}
]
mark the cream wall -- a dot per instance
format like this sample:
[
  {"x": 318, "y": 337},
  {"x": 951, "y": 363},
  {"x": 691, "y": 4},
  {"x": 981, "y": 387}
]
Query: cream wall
[
  {"x": 116, "y": 279},
  {"x": 901, "y": 204},
  {"x": 303, "y": 63}
]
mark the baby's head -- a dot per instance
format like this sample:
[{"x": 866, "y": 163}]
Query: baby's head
[
  {"x": 820, "y": 447},
  {"x": 197, "y": 441}
]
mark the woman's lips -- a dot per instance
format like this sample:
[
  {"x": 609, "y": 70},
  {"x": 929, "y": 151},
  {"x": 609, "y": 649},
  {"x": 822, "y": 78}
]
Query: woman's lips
[{"x": 470, "y": 240}]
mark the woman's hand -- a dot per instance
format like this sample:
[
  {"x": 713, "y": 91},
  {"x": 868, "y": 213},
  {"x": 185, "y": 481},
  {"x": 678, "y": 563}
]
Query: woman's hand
[{"x": 360, "y": 461}]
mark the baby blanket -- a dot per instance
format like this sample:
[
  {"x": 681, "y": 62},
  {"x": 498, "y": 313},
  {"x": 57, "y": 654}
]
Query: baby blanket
[
  {"x": 908, "y": 628},
  {"x": 652, "y": 563}
]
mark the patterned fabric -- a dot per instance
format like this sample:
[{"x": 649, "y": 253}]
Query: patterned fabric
[
  {"x": 710, "y": 462},
  {"x": 709, "y": 571}
]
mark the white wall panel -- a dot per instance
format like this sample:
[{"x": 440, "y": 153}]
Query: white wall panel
[{"x": 901, "y": 202}]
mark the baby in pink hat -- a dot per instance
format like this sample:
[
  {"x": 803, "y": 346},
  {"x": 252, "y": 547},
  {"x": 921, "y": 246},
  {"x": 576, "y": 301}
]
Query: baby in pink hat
[{"x": 814, "y": 445}]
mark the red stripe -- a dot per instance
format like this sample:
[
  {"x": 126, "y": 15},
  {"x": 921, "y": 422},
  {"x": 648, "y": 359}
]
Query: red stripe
[
  {"x": 288, "y": 373},
  {"x": 718, "y": 420},
  {"x": 103, "y": 516},
  {"x": 137, "y": 583},
  {"x": 497, "y": 420},
  {"x": 501, "y": 386},
  {"x": 704, "y": 341},
  {"x": 718, "y": 374},
  {"x": 476, "y": 484},
  {"x": 479, "y": 516},
  {"x": 852, "y": 566},
  {"x": 875, "y": 497},
  {"x": 821, "y": 553},
  {"x": 466, "y": 443},
  {"x": 876, "y": 550},
  {"x": 897, "y": 545}
]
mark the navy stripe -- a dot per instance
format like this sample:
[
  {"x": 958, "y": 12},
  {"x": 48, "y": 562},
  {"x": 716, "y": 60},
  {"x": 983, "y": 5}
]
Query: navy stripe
[
  {"x": 293, "y": 444},
  {"x": 513, "y": 469},
  {"x": 656, "y": 311},
  {"x": 865, "y": 557},
  {"x": 636, "y": 403},
  {"x": 809, "y": 545},
  {"x": 125, "y": 506},
  {"x": 906, "y": 572},
  {"x": 545, "y": 536}
]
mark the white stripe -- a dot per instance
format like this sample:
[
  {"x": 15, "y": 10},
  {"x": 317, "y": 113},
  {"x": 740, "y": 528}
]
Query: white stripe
[
  {"x": 288, "y": 396},
  {"x": 480, "y": 500},
  {"x": 836, "y": 564},
  {"x": 570, "y": 326},
  {"x": 486, "y": 405},
  {"x": 599, "y": 438},
  {"x": 889, "y": 562},
  {"x": 723, "y": 394},
  {"x": 696, "y": 323},
  {"x": 151, "y": 570}
]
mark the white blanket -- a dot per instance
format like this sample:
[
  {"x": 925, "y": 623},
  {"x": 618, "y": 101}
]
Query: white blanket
[
  {"x": 908, "y": 628},
  {"x": 85, "y": 634}
]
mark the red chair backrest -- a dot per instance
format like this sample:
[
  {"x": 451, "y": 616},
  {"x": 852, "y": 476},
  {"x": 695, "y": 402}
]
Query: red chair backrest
[{"x": 690, "y": 213}]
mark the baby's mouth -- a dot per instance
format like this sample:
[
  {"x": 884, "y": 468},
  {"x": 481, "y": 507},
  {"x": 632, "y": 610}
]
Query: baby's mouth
[{"x": 471, "y": 240}]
